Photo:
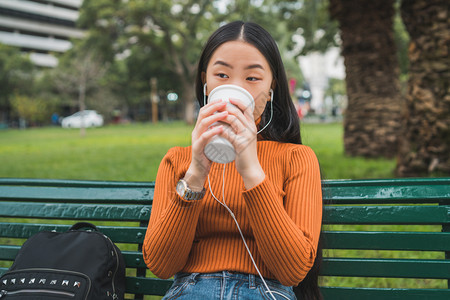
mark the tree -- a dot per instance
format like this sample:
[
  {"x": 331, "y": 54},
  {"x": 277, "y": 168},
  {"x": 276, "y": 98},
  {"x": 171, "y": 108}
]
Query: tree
[
  {"x": 372, "y": 120},
  {"x": 177, "y": 30},
  {"x": 166, "y": 37},
  {"x": 426, "y": 144},
  {"x": 16, "y": 76},
  {"x": 310, "y": 21},
  {"x": 77, "y": 73},
  {"x": 31, "y": 110},
  {"x": 104, "y": 21},
  {"x": 167, "y": 33}
]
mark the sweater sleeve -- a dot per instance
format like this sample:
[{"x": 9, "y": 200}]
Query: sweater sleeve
[
  {"x": 172, "y": 225},
  {"x": 287, "y": 225}
]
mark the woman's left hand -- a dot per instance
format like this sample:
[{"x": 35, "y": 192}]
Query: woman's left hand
[{"x": 243, "y": 136}]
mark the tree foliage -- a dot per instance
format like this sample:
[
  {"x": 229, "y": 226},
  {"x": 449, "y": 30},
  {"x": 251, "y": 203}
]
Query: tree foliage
[
  {"x": 81, "y": 78},
  {"x": 32, "y": 110},
  {"x": 163, "y": 39},
  {"x": 16, "y": 74},
  {"x": 313, "y": 29}
]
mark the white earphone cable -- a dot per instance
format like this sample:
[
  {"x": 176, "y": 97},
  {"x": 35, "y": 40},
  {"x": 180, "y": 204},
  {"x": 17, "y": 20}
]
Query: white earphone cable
[
  {"x": 271, "y": 112},
  {"x": 240, "y": 231},
  {"x": 268, "y": 290}
]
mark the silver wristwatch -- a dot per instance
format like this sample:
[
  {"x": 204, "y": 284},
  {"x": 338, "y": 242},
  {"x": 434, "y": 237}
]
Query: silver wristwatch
[{"x": 186, "y": 193}]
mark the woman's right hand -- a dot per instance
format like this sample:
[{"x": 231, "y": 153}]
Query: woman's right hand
[{"x": 201, "y": 135}]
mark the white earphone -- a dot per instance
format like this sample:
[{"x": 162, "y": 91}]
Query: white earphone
[{"x": 204, "y": 94}]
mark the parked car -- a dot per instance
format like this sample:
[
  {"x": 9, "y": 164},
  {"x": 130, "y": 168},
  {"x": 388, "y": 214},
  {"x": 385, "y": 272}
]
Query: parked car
[{"x": 89, "y": 118}]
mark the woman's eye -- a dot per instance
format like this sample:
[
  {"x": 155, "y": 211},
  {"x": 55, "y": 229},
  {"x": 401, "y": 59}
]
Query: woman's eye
[
  {"x": 252, "y": 79},
  {"x": 221, "y": 75}
]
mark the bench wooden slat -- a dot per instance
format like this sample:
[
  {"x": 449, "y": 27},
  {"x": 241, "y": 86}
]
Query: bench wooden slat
[
  {"x": 8, "y": 252},
  {"x": 398, "y": 190},
  {"x": 147, "y": 286},
  {"x": 75, "y": 183},
  {"x": 77, "y": 194},
  {"x": 81, "y": 211},
  {"x": 401, "y": 189},
  {"x": 3, "y": 270},
  {"x": 411, "y": 215},
  {"x": 402, "y": 268},
  {"x": 124, "y": 234},
  {"x": 342, "y": 293},
  {"x": 382, "y": 240},
  {"x": 332, "y": 214},
  {"x": 331, "y": 266},
  {"x": 133, "y": 259}
]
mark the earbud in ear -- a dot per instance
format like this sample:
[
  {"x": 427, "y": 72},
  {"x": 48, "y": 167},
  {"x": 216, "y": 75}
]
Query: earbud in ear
[
  {"x": 204, "y": 94},
  {"x": 271, "y": 95}
]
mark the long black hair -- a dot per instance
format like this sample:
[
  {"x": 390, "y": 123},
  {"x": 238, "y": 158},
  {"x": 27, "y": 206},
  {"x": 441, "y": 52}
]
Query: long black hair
[{"x": 285, "y": 124}]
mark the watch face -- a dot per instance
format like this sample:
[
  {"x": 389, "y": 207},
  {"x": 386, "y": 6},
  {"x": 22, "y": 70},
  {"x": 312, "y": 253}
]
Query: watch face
[
  {"x": 180, "y": 188},
  {"x": 186, "y": 193}
]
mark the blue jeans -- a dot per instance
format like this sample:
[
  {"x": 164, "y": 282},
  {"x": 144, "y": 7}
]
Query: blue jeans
[{"x": 226, "y": 286}]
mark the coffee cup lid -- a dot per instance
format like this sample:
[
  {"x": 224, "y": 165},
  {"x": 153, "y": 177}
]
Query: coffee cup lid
[{"x": 227, "y": 91}]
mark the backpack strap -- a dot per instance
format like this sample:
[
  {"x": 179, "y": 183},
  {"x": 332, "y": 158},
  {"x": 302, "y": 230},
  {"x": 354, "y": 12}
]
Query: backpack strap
[{"x": 80, "y": 225}]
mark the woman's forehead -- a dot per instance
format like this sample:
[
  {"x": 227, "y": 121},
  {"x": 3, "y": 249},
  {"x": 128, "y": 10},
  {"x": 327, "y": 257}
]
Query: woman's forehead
[{"x": 232, "y": 53}]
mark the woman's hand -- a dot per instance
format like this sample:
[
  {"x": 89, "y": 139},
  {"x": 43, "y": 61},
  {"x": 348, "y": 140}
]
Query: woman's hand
[
  {"x": 243, "y": 136},
  {"x": 201, "y": 135}
]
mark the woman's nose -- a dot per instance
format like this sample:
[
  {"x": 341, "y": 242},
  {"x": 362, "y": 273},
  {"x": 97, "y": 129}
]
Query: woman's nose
[{"x": 237, "y": 81}]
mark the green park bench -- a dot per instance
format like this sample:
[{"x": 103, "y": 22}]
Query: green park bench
[{"x": 353, "y": 213}]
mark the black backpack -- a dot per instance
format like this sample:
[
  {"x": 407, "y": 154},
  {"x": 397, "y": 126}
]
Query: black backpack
[{"x": 76, "y": 264}]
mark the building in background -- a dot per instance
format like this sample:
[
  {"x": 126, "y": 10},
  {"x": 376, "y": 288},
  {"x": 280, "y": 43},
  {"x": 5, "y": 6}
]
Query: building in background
[
  {"x": 40, "y": 27},
  {"x": 318, "y": 68}
]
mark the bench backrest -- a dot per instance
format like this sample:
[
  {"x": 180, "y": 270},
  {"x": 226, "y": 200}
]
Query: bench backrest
[
  {"x": 365, "y": 217},
  {"x": 359, "y": 215}
]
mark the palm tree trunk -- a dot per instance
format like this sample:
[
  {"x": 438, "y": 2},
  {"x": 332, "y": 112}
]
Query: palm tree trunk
[
  {"x": 372, "y": 119},
  {"x": 425, "y": 146}
]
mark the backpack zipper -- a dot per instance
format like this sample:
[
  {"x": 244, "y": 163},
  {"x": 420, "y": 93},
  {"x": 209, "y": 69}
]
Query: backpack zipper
[
  {"x": 43, "y": 291},
  {"x": 114, "y": 295}
]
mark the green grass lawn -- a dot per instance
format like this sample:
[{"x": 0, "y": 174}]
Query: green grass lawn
[{"x": 133, "y": 152}]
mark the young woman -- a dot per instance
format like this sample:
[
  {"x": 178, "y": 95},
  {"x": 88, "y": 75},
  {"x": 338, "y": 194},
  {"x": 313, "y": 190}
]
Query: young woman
[{"x": 248, "y": 229}]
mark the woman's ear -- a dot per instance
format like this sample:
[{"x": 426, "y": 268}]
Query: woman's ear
[{"x": 274, "y": 84}]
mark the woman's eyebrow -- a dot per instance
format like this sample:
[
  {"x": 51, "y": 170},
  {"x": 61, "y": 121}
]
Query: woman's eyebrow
[
  {"x": 255, "y": 66},
  {"x": 219, "y": 62}
]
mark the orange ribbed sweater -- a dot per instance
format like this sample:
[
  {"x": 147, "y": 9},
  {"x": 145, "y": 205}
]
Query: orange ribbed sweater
[{"x": 280, "y": 218}]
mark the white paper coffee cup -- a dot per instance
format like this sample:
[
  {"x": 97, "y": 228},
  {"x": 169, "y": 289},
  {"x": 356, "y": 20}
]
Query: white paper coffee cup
[{"x": 219, "y": 149}]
